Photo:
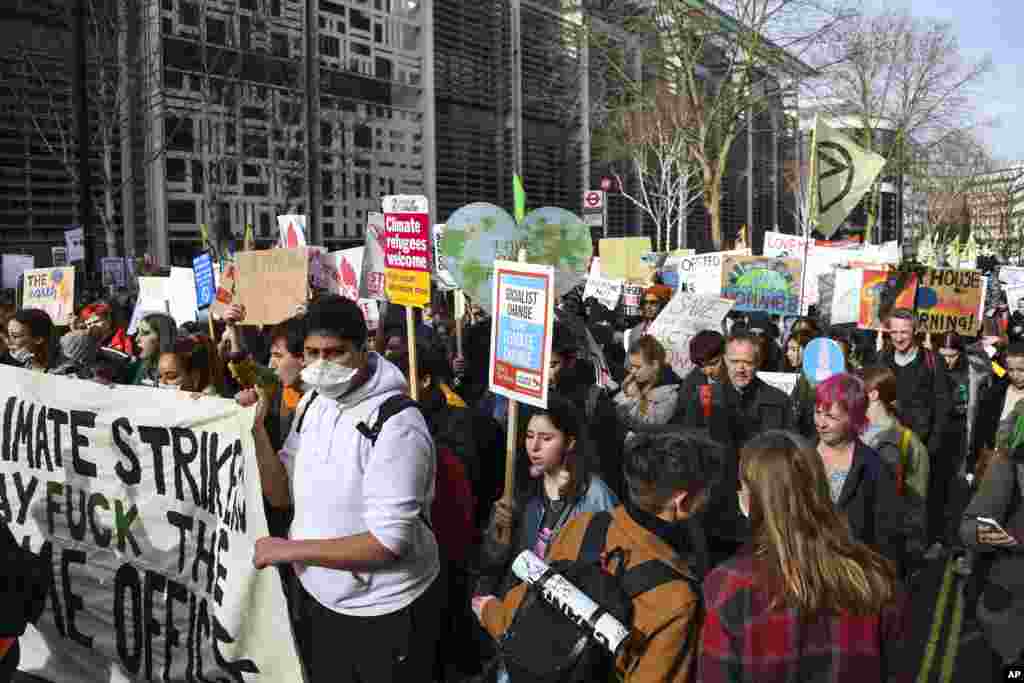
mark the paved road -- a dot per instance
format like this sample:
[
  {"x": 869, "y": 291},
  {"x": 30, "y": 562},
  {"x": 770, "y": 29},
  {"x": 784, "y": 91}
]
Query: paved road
[{"x": 946, "y": 645}]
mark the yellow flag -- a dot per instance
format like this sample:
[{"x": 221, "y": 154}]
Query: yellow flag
[{"x": 843, "y": 172}]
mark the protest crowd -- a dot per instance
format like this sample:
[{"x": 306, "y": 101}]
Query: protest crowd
[{"x": 751, "y": 499}]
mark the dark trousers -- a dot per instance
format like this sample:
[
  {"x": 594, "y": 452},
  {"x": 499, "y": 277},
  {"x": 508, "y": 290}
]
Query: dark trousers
[
  {"x": 401, "y": 646},
  {"x": 942, "y": 488}
]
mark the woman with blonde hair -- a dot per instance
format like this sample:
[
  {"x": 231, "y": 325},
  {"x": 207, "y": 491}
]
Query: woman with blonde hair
[{"x": 803, "y": 601}]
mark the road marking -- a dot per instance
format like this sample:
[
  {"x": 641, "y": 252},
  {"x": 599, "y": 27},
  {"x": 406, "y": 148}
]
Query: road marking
[
  {"x": 953, "y": 644},
  {"x": 937, "y": 620}
]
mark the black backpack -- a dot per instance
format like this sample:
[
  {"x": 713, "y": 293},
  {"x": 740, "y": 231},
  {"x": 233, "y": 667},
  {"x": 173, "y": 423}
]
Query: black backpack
[{"x": 542, "y": 645}]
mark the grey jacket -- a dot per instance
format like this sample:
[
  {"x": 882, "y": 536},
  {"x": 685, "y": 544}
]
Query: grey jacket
[{"x": 1001, "y": 610}]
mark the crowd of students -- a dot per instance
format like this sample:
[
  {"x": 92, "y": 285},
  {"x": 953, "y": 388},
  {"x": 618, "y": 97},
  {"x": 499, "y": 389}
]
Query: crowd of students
[{"x": 794, "y": 524}]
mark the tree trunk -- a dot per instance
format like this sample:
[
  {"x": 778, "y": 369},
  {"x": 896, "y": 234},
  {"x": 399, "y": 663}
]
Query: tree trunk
[
  {"x": 713, "y": 203},
  {"x": 109, "y": 223}
]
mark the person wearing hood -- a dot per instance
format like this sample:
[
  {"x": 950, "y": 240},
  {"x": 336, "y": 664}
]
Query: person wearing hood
[
  {"x": 79, "y": 352},
  {"x": 361, "y": 540},
  {"x": 650, "y": 391}
]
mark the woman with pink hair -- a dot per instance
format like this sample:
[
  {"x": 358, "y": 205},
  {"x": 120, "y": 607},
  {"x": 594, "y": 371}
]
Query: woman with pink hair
[{"x": 861, "y": 484}]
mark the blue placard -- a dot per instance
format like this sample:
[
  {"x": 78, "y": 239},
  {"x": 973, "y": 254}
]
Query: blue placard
[
  {"x": 823, "y": 358},
  {"x": 202, "y": 270}
]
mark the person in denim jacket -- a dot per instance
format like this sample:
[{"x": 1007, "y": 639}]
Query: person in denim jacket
[{"x": 560, "y": 486}]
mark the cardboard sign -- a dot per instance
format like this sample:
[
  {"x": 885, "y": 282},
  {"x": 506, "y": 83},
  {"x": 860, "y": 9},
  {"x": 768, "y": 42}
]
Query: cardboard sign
[
  {"x": 606, "y": 291},
  {"x": 951, "y": 301},
  {"x": 873, "y": 283},
  {"x": 271, "y": 284},
  {"x": 59, "y": 256},
  {"x": 407, "y": 245},
  {"x": 51, "y": 290},
  {"x": 74, "y": 241},
  {"x": 292, "y": 231},
  {"x": 758, "y": 283},
  {"x": 127, "y": 535},
  {"x": 344, "y": 270},
  {"x": 702, "y": 273},
  {"x": 113, "y": 271},
  {"x": 683, "y": 317},
  {"x": 521, "y": 331},
  {"x": 371, "y": 283},
  {"x": 202, "y": 269},
  {"x": 783, "y": 381},
  {"x": 13, "y": 266},
  {"x": 622, "y": 259}
]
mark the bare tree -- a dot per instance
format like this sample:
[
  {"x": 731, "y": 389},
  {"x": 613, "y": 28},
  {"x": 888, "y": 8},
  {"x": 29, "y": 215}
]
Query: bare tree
[
  {"x": 667, "y": 179},
  {"x": 904, "y": 84},
  {"x": 727, "y": 61}
]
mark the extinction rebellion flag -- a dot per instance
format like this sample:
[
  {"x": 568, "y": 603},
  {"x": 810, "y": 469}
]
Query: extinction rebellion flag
[{"x": 841, "y": 173}]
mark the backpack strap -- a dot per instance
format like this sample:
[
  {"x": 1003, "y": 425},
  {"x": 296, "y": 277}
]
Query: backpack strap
[
  {"x": 595, "y": 537},
  {"x": 389, "y": 408},
  {"x": 302, "y": 409}
]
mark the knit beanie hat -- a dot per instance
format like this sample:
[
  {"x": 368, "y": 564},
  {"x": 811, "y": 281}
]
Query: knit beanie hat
[{"x": 80, "y": 347}]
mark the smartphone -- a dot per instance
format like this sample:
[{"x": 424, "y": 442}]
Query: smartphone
[{"x": 988, "y": 521}]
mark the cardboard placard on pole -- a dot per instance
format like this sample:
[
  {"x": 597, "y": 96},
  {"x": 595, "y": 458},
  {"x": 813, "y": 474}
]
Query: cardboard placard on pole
[
  {"x": 51, "y": 290},
  {"x": 271, "y": 284}
]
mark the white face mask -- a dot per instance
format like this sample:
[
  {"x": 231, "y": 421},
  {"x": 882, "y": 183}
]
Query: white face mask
[
  {"x": 331, "y": 380},
  {"x": 172, "y": 387}
]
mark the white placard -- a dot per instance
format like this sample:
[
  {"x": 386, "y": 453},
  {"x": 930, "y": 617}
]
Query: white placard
[
  {"x": 783, "y": 381},
  {"x": 605, "y": 290},
  {"x": 684, "y": 317}
]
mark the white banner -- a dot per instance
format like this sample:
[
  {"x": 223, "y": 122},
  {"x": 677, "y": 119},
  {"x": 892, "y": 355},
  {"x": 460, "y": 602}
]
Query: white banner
[
  {"x": 684, "y": 317},
  {"x": 181, "y": 295},
  {"x": 148, "y": 504}
]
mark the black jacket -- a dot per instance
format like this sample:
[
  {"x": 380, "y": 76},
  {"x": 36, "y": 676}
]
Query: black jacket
[
  {"x": 688, "y": 407},
  {"x": 989, "y": 412},
  {"x": 24, "y": 578},
  {"x": 871, "y": 504},
  {"x": 923, "y": 395}
]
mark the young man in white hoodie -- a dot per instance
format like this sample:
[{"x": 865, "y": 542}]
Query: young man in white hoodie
[{"x": 360, "y": 540}]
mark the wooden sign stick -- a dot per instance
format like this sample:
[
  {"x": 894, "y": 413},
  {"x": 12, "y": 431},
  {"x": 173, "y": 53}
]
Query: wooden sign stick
[
  {"x": 410, "y": 332},
  {"x": 511, "y": 443}
]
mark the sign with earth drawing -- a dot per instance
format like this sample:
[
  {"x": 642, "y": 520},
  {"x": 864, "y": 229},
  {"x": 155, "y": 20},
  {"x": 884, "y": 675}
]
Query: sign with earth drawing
[
  {"x": 479, "y": 234},
  {"x": 758, "y": 283}
]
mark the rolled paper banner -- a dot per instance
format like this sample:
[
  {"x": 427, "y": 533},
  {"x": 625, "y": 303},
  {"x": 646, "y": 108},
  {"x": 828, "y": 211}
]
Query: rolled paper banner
[{"x": 558, "y": 592}]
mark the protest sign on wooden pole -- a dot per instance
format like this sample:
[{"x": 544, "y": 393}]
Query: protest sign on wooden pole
[{"x": 521, "y": 332}]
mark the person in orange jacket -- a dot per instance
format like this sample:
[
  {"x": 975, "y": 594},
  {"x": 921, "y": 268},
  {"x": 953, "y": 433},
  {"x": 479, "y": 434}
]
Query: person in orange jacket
[{"x": 668, "y": 476}]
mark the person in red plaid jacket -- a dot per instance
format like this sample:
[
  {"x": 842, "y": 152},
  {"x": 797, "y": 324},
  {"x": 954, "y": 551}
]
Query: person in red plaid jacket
[{"x": 803, "y": 601}]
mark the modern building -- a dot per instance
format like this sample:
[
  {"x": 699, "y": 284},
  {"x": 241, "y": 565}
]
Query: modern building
[{"x": 234, "y": 111}]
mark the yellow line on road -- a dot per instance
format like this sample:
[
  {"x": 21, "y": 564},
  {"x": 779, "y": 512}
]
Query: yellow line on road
[
  {"x": 938, "y": 619},
  {"x": 953, "y": 644}
]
